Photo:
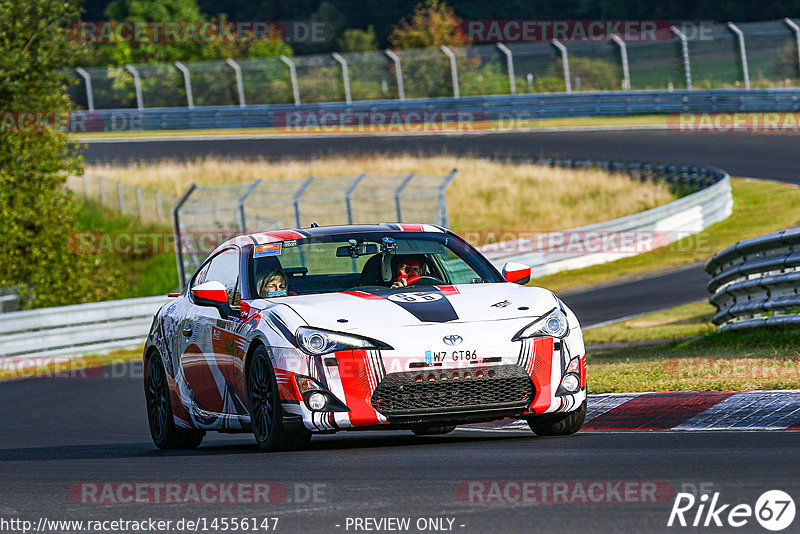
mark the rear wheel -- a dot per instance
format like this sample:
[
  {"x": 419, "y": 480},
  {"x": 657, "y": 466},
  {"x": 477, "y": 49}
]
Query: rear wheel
[
  {"x": 560, "y": 424},
  {"x": 266, "y": 414},
  {"x": 159, "y": 411},
  {"x": 433, "y": 430}
]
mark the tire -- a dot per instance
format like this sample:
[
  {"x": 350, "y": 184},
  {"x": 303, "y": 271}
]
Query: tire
[
  {"x": 266, "y": 413},
  {"x": 159, "y": 411},
  {"x": 433, "y": 430},
  {"x": 562, "y": 424}
]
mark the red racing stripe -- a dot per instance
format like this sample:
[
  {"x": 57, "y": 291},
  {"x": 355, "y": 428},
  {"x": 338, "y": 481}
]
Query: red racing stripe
[
  {"x": 657, "y": 411},
  {"x": 354, "y": 374},
  {"x": 285, "y": 234},
  {"x": 363, "y": 295},
  {"x": 542, "y": 368},
  {"x": 411, "y": 227},
  {"x": 448, "y": 290}
]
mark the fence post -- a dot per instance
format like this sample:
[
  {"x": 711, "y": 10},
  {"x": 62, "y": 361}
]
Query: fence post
[
  {"x": 137, "y": 85},
  {"x": 453, "y": 69},
  {"x": 296, "y": 200},
  {"x": 348, "y": 195},
  {"x": 247, "y": 193},
  {"x": 742, "y": 53},
  {"x": 564, "y": 61},
  {"x": 398, "y": 73},
  {"x": 89, "y": 94},
  {"x": 512, "y": 83},
  {"x": 139, "y": 205},
  {"x": 85, "y": 186},
  {"x": 159, "y": 214},
  {"x": 176, "y": 223},
  {"x": 397, "y": 193},
  {"x": 293, "y": 75},
  {"x": 239, "y": 82},
  {"x": 442, "y": 217},
  {"x": 345, "y": 75},
  {"x": 687, "y": 68},
  {"x": 102, "y": 191},
  {"x": 121, "y": 194},
  {"x": 796, "y": 29},
  {"x": 623, "y": 50},
  {"x": 187, "y": 83}
]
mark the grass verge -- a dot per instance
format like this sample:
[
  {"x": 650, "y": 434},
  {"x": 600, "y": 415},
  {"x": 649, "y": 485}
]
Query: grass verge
[
  {"x": 67, "y": 367},
  {"x": 682, "y": 321},
  {"x": 731, "y": 361},
  {"x": 760, "y": 207},
  {"x": 143, "y": 270}
]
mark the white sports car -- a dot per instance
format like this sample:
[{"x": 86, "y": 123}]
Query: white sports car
[{"x": 389, "y": 326}]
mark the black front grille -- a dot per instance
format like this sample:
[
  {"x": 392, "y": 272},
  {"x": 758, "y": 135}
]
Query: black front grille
[{"x": 432, "y": 391}]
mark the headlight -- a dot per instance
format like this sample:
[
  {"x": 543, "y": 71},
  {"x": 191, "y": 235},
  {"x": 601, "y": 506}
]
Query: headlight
[
  {"x": 316, "y": 341},
  {"x": 552, "y": 324}
]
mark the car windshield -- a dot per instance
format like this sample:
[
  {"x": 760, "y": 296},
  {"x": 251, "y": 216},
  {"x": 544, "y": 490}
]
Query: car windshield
[{"x": 366, "y": 262}]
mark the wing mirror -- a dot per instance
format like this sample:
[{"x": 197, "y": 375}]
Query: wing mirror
[
  {"x": 214, "y": 295},
  {"x": 517, "y": 273}
]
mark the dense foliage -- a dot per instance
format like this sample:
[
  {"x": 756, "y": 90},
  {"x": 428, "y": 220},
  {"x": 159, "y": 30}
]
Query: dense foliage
[{"x": 37, "y": 215}]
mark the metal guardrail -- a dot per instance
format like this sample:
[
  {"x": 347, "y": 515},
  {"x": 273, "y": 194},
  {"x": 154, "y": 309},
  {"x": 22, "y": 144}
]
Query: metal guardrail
[
  {"x": 657, "y": 227},
  {"x": 477, "y": 112},
  {"x": 79, "y": 329},
  {"x": 756, "y": 282}
]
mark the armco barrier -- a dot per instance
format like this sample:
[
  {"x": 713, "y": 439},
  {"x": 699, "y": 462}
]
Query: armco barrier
[
  {"x": 584, "y": 246},
  {"x": 756, "y": 282},
  {"x": 506, "y": 110},
  {"x": 79, "y": 329}
]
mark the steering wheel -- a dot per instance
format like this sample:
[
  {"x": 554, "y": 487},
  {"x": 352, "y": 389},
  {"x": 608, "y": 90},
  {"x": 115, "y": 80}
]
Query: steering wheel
[{"x": 424, "y": 280}]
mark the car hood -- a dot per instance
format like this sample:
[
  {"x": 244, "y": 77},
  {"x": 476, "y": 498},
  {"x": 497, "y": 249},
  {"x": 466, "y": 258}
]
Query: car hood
[{"x": 364, "y": 311}]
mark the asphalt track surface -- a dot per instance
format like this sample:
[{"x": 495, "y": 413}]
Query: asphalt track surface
[
  {"x": 60, "y": 432},
  {"x": 74, "y": 431},
  {"x": 770, "y": 156}
]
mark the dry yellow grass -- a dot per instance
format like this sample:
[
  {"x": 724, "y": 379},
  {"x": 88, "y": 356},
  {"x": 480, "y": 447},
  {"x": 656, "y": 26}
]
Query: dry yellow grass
[{"x": 486, "y": 196}]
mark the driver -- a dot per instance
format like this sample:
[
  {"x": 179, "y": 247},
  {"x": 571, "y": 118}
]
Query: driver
[
  {"x": 408, "y": 272},
  {"x": 272, "y": 284}
]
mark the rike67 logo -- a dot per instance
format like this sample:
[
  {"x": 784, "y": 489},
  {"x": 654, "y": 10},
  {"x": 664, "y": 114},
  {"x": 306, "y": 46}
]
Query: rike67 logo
[{"x": 774, "y": 510}]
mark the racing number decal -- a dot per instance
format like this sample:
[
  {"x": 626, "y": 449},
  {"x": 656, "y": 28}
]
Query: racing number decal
[{"x": 415, "y": 297}]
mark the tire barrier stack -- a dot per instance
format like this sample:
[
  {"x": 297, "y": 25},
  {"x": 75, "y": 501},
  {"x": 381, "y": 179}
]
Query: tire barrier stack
[{"x": 756, "y": 282}]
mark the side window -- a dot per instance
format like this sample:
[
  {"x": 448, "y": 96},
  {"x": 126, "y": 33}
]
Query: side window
[{"x": 224, "y": 268}]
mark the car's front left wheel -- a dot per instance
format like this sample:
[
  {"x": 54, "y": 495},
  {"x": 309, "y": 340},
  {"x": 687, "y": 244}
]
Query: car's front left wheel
[
  {"x": 558, "y": 424},
  {"x": 266, "y": 414},
  {"x": 159, "y": 411}
]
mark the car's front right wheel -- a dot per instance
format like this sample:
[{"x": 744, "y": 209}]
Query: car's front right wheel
[
  {"x": 558, "y": 424},
  {"x": 266, "y": 414}
]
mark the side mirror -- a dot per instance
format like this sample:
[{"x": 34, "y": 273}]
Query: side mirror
[
  {"x": 517, "y": 273},
  {"x": 214, "y": 295}
]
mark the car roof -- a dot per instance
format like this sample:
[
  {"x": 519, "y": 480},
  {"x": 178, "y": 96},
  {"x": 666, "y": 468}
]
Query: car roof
[{"x": 275, "y": 236}]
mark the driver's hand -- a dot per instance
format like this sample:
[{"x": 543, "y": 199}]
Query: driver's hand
[{"x": 399, "y": 283}]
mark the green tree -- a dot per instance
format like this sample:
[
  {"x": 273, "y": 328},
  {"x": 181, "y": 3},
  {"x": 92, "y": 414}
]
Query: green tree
[
  {"x": 433, "y": 23},
  {"x": 355, "y": 40},
  {"x": 38, "y": 215}
]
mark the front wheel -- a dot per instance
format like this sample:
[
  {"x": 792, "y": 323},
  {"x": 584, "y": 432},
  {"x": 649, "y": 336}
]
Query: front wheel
[
  {"x": 558, "y": 424},
  {"x": 159, "y": 411},
  {"x": 433, "y": 430},
  {"x": 266, "y": 414}
]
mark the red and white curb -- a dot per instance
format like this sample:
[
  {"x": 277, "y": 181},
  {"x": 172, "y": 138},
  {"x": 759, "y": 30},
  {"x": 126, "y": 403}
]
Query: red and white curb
[{"x": 687, "y": 410}]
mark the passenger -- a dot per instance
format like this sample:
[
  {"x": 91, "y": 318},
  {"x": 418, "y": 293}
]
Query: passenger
[
  {"x": 272, "y": 284},
  {"x": 408, "y": 271}
]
